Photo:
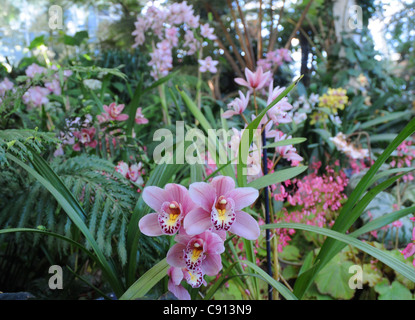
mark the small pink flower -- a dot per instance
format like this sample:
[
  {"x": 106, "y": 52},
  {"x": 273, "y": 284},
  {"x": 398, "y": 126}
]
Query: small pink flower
[
  {"x": 208, "y": 65},
  {"x": 193, "y": 277},
  {"x": 135, "y": 173},
  {"x": 114, "y": 112},
  {"x": 85, "y": 137},
  {"x": 36, "y": 96},
  {"x": 54, "y": 87},
  {"x": 201, "y": 251},
  {"x": 176, "y": 276},
  {"x": 254, "y": 80},
  {"x": 279, "y": 112},
  {"x": 239, "y": 105},
  {"x": 220, "y": 207},
  {"x": 34, "y": 69},
  {"x": 171, "y": 204},
  {"x": 139, "y": 117},
  {"x": 207, "y": 31},
  {"x": 122, "y": 168}
]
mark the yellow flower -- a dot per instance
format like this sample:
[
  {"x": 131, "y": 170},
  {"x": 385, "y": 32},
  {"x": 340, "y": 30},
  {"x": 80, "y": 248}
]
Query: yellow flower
[
  {"x": 334, "y": 99},
  {"x": 317, "y": 117}
]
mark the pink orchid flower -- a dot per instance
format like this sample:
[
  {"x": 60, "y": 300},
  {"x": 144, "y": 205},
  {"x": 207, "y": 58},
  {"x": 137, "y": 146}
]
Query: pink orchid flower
[
  {"x": 171, "y": 204},
  {"x": 279, "y": 112},
  {"x": 139, "y": 117},
  {"x": 114, "y": 112},
  {"x": 254, "y": 80},
  {"x": 174, "y": 285},
  {"x": 207, "y": 31},
  {"x": 288, "y": 152},
  {"x": 193, "y": 277},
  {"x": 239, "y": 105},
  {"x": 201, "y": 251},
  {"x": 220, "y": 207},
  {"x": 85, "y": 137},
  {"x": 135, "y": 173},
  {"x": 122, "y": 168},
  {"x": 208, "y": 65}
]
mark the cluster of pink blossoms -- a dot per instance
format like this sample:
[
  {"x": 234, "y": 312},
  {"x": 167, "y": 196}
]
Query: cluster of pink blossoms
[
  {"x": 133, "y": 172},
  {"x": 405, "y": 155},
  {"x": 199, "y": 218},
  {"x": 113, "y": 112},
  {"x": 166, "y": 25},
  {"x": 319, "y": 197},
  {"x": 275, "y": 58},
  {"x": 410, "y": 248},
  {"x": 37, "y": 96}
]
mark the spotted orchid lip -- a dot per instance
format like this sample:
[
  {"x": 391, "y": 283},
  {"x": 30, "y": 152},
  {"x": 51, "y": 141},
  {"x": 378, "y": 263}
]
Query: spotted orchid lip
[
  {"x": 223, "y": 214},
  {"x": 170, "y": 218},
  {"x": 194, "y": 254},
  {"x": 194, "y": 277}
]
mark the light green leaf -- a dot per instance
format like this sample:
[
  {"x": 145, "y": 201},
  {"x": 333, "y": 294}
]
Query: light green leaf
[{"x": 334, "y": 279}]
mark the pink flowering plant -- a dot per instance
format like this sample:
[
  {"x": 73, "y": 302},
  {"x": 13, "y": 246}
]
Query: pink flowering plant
[{"x": 192, "y": 162}]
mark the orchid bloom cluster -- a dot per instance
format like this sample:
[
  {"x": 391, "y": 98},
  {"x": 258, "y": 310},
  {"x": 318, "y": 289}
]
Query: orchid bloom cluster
[
  {"x": 134, "y": 172},
  {"x": 410, "y": 248},
  {"x": 319, "y": 198},
  {"x": 275, "y": 116},
  {"x": 341, "y": 143},
  {"x": 274, "y": 58},
  {"x": 167, "y": 24},
  {"x": 199, "y": 218},
  {"x": 404, "y": 156},
  {"x": 37, "y": 96}
]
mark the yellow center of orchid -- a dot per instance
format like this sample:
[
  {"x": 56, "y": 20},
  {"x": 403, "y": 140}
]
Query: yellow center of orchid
[
  {"x": 221, "y": 208},
  {"x": 196, "y": 252},
  {"x": 174, "y": 214}
]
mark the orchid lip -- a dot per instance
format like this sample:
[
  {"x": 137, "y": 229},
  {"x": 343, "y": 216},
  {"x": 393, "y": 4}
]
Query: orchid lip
[
  {"x": 194, "y": 277},
  {"x": 194, "y": 254},
  {"x": 223, "y": 214},
  {"x": 170, "y": 217}
]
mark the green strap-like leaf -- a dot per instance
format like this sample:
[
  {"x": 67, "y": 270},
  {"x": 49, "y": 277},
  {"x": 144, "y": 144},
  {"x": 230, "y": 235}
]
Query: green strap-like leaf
[
  {"x": 285, "y": 292},
  {"x": 276, "y": 177},
  {"x": 147, "y": 281}
]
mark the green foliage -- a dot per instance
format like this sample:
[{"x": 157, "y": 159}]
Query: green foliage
[
  {"x": 334, "y": 278},
  {"x": 19, "y": 141}
]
